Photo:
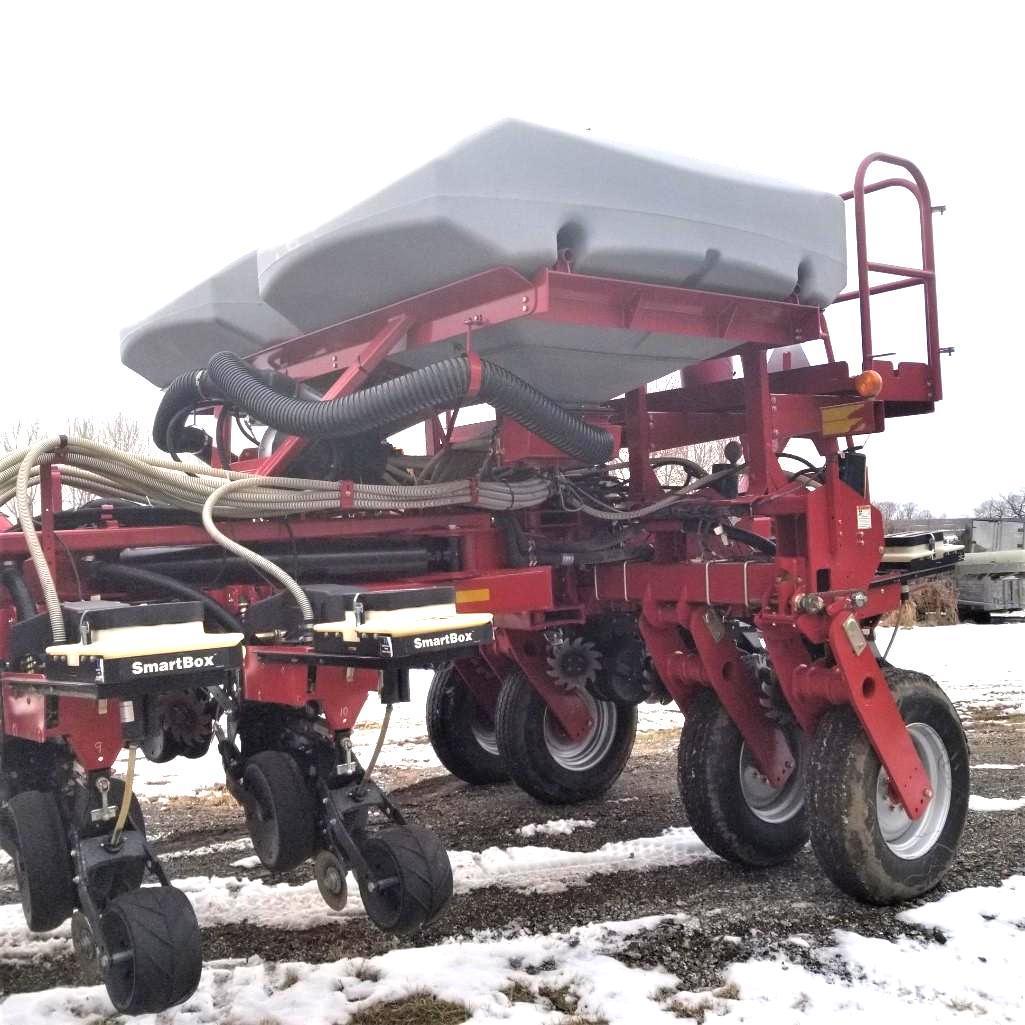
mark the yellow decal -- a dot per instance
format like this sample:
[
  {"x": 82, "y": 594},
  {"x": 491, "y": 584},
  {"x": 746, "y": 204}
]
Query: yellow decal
[
  {"x": 846, "y": 419},
  {"x": 473, "y": 597}
]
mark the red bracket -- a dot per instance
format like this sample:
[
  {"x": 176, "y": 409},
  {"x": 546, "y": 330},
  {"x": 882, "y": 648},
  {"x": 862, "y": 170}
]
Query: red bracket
[
  {"x": 871, "y": 699},
  {"x": 476, "y": 374},
  {"x": 731, "y": 680},
  {"x": 527, "y": 650},
  {"x": 92, "y": 728}
]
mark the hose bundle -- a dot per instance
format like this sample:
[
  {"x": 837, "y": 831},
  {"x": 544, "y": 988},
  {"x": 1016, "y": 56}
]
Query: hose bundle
[
  {"x": 441, "y": 385},
  {"x": 153, "y": 480}
]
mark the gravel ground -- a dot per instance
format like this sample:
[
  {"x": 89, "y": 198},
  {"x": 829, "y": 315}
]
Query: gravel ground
[{"x": 734, "y": 913}]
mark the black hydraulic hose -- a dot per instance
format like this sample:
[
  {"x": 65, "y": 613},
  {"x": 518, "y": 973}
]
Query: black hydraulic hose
[
  {"x": 441, "y": 385},
  {"x": 180, "y": 397},
  {"x": 14, "y": 582},
  {"x": 136, "y": 575},
  {"x": 749, "y": 537}
]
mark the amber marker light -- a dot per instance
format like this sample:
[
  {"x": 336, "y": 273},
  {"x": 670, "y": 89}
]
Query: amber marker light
[{"x": 868, "y": 384}]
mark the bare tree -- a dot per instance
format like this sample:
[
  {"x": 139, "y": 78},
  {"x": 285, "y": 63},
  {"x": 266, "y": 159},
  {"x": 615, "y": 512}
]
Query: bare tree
[
  {"x": 119, "y": 432},
  {"x": 705, "y": 453},
  {"x": 896, "y": 513},
  {"x": 1006, "y": 507},
  {"x": 888, "y": 511}
]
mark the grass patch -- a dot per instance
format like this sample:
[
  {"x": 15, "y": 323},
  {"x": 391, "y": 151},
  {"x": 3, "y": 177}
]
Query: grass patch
[
  {"x": 366, "y": 972},
  {"x": 519, "y": 994},
  {"x": 561, "y": 998},
  {"x": 697, "y": 1008},
  {"x": 418, "y": 1009}
]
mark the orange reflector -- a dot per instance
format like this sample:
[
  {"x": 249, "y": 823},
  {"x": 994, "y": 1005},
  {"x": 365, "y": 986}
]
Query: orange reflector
[{"x": 868, "y": 384}]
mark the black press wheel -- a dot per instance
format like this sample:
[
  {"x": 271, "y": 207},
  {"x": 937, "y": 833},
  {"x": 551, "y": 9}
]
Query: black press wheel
[
  {"x": 730, "y": 805},
  {"x": 462, "y": 736},
  {"x": 153, "y": 958},
  {"x": 863, "y": 839},
  {"x": 279, "y": 810},
  {"x": 548, "y": 764},
  {"x": 161, "y": 747},
  {"x": 410, "y": 878},
  {"x": 41, "y": 860}
]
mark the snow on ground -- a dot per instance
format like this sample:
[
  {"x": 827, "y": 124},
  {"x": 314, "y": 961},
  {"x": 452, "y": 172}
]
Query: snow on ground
[
  {"x": 555, "y": 827},
  {"x": 976, "y": 973},
  {"x": 978, "y": 666},
  {"x": 228, "y": 900},
  {"x": 977, "y": 803}
]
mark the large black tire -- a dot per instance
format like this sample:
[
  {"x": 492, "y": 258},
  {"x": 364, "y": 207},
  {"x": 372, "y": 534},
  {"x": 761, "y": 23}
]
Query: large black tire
[
  {"x": 153, "y": 938},
  {"x": 541, "y": 759},
  {"x": 463, "y": 738},
  {"x": 410, "y": 880},
  {"x": 863, "y": 840},
  {"x": 280, "y": 811},
  {"x": 41, "y": 859},
  {"x": 731, "y": 807}
]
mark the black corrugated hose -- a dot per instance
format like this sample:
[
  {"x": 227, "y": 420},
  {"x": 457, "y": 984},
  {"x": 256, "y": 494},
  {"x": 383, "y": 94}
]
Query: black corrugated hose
[
  {"x": 147, "y": 578},
  {"x": 441, "y": 385},
  {"x": 14, "y": 583}
]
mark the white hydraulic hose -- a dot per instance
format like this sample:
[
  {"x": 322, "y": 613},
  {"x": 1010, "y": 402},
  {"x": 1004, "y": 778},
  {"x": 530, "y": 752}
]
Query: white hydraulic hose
[
  {"x": 110, "y": 473},
  {"x": 35, "y": 549},
  {"x": 257, "y": 560}
]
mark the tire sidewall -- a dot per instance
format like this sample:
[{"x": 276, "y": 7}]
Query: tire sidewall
[
  {"x": 521, "y": 733},
  {"x": 871, "y": 870},
  {"x": 710, "y": 788},
  {"x": 921, "y": 706},
  {"x": 451, "y": 714},
  {"x": 284, "y": 833}
]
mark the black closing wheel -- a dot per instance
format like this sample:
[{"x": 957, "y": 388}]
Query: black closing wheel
[
  {"x": 863, "y": 838},
  {"x": 548, "y": 764},
  {"x": 330, "y": 873},
  {"x": 729, "y": 803},
  {"x": 410, "y": 878},
  {"x": 153, "y": 958},
  {"x": 462, "y": 735},
  {"x": 161, "y": 747},
  {"x": 279, "y": 810},
  {"x": 41, "y": 859}
]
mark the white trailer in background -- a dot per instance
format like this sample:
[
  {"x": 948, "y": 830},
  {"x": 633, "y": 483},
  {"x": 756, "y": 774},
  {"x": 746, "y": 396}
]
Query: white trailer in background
[{"x": 991, "y": 577}]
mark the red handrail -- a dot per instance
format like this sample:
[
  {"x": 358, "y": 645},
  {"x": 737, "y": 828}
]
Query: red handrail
[{"x": 908, "y": 277}]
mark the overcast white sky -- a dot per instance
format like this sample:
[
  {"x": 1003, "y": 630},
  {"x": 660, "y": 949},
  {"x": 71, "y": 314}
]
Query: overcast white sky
[{"x": 147, "y": 145}]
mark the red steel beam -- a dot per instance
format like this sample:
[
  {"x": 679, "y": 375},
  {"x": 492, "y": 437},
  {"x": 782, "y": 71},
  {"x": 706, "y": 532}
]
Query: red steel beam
[{"x": 353, "y": 377}]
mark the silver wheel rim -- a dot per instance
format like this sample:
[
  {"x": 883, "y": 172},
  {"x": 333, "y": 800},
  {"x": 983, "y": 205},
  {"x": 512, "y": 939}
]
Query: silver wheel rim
[
  {"x": 592, "y": 748},
  {"x": 766, "y": 802},
  {"x": 908, "y": 838},
  {"x": 485, "y": 736}
]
